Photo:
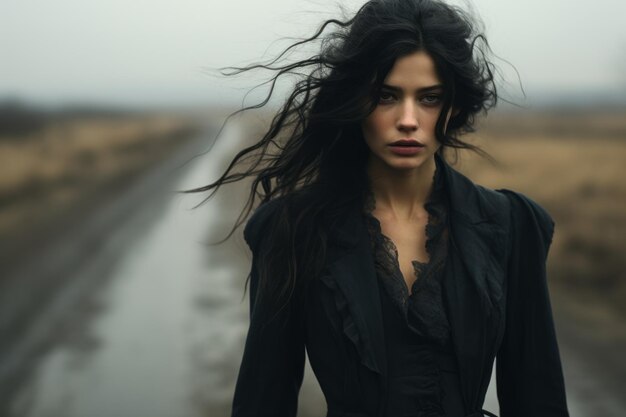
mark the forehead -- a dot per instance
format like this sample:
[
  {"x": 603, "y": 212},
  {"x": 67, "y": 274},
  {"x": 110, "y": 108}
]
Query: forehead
[{"x": 413, "y": 71}]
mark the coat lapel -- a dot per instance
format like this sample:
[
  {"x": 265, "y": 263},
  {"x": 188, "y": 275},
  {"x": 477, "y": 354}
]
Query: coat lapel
[
  {"x": 473, "y": 280},
  {"x": 478, "y": 243}
]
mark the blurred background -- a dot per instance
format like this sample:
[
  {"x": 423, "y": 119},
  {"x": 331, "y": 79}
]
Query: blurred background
[{"x": 113, "y": 302}]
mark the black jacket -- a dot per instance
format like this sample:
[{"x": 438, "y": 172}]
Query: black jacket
[{"x": 495, "y": 295}]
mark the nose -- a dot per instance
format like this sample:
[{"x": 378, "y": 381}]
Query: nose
[{"x": 407, "y": 119}]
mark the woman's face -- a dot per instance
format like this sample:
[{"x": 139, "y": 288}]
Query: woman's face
[{"x": 400, "y": 132}]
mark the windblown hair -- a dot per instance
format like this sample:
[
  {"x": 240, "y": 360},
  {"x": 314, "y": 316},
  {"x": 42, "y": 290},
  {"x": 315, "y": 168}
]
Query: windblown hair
[{"x": 313, "y": 155}]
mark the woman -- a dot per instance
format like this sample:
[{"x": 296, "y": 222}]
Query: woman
[{"x": 401, "y": 278}]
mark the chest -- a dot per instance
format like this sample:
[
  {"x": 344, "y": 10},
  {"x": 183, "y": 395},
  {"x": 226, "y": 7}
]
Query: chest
[{"x": 408, "y": 240}]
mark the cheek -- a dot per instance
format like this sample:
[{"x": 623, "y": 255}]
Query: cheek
[
  {"x": 429, "y": 118},
  {"x": 373, "y": 126}
]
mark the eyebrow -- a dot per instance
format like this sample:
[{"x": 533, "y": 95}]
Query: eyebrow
[{"x": 422, "y": 90}]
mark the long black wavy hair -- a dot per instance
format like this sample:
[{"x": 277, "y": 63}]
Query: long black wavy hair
[{"x": 313, "y": 155}]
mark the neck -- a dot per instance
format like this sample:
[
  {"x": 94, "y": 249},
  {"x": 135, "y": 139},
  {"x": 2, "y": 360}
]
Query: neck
[{"x": 401, "y": 193}]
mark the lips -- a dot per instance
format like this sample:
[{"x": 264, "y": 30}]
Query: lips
[
  {"x": 406, "y": 147},
  {"x": 407, "y": 142}
]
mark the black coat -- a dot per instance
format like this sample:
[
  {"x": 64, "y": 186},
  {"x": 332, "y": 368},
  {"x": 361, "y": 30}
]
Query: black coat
[{"x": 495, "y": 295}]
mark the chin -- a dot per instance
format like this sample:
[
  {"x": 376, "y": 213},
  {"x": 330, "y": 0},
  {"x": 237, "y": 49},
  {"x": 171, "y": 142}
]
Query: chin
[
  {"x": 411, "y": 162},
  {"x": 401, "y": 164},
  {"x": 405, "y": 165}
]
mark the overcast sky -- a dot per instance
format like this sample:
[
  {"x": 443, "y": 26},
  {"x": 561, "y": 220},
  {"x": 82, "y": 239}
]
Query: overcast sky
[{"x": 138, "y": 52}]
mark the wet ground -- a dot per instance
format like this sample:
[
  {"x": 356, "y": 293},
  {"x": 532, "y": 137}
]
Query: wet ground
[{"x": 152, "y": 319}]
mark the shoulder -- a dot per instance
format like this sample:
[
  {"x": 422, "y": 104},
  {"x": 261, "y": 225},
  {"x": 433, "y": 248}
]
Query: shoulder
[
  {"x": 494, "y": 201},
  {"x": 521, "y": 209},
  {"x": 505, "y": 207},
  {"x": 524, "y": 221},
  {"x": 474, "y": 202},
  {"x": 261, "y": 219},
  {"x": 268, "y": 215},
  {"x": 529, "y": 220}
]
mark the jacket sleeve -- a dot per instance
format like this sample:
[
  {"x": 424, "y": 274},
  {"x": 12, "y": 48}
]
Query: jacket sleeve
[
  {"x": 272, "y": 366},
  {"x": 528, "y": 366}
]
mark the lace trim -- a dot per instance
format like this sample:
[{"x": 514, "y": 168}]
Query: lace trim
[{"x": 423, "y": 308}]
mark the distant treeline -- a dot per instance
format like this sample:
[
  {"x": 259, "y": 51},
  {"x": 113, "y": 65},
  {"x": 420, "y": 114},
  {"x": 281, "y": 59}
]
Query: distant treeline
[{"x": 18, "y": 118}]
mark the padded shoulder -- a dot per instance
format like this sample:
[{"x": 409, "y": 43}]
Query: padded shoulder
[
  {"x": 259, "y": 221},
  {"x": 527, "y": 215},
  {"x": 495, "y": 202}
]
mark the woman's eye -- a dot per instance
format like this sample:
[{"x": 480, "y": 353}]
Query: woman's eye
[
  {"x": 385, "y": 97},
  {"x": 431, "y": 99}
]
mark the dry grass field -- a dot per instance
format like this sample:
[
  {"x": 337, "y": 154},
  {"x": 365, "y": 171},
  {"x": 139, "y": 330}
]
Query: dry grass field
[
  {"x": 575, "y": 167},
  {"x": 49, "y": 170}
]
